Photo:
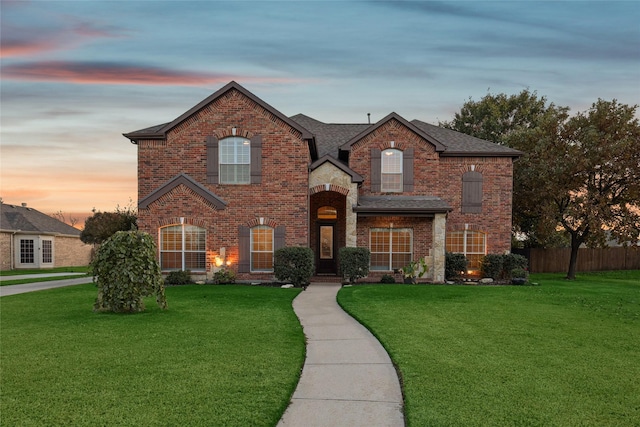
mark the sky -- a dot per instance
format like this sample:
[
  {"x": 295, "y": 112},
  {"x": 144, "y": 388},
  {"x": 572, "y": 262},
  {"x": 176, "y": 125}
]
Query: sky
[{"x": 76, "y": 75}]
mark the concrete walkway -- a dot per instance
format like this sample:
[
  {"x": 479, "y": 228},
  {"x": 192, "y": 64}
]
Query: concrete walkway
[
  {"x": 348, "y": 378},
  {"x": 38, "y": 286}
]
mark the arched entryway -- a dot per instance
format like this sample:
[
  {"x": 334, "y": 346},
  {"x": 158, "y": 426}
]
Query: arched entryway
[{"x": 328, "y": 229}]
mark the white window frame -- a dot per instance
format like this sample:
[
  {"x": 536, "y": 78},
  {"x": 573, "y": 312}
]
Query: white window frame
[
  {"x": 466, "y": 234},
  {"x": 391, "y": 169},
  {"x": 390, "y": 253},
  {"x": 234, "y": 158},
  {"x": 185, "y": 229},
  {"x": 253, "y": 251}
]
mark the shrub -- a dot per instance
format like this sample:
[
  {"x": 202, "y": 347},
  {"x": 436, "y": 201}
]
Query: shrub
[
  {"x": 387, "y": 278},
  {"x": 354, "y": 263},
  {"x": 294, "y": 264},
  {"x": 125, "y": 270},
  {"x": 224, "y": 276},
  {"x": 491, "y": 266},
  {"x": 454, "y": 265},
  {"x": 513, "y": 261},
  {"x": 178, "y": 278}
]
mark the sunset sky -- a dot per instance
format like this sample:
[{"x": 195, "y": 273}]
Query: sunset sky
[{"x": 75, "y": 75}]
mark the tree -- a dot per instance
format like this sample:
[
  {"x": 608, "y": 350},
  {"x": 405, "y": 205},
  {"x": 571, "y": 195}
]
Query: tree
[
  {"x": 60, "y": 216},
  {"x": 125, "y": 270},
  {"x": 579, "y": 174},
  {"x": 103, "y": 225}
]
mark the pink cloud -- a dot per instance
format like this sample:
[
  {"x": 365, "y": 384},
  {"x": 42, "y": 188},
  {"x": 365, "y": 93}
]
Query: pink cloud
[
  {"x": 11, "y": 48},
  {"x": 115, "y": 73}
]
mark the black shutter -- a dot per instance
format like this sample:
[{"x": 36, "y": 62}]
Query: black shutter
[
  {"x": 244, "y": 249},
  {"x": 375, "y": 169},
  {"x": 256, "y": 159},
  {"x": 278, "y": 238},
  {"x": 472, "y": 192},
  {"x": 212, "y": 160},
  {"x": 407, "y": 170}
]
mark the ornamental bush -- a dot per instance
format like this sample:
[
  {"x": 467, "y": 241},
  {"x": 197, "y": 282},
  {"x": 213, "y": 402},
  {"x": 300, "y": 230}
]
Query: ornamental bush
[
  {"x": 455, "y": 265},
  {"x": 224, "y": 276},
  {"x": 294, "y": 265},
  {"x": 354, "y": 263},
  {"x": 180, "y": 277},
  {"x": 125, "y": 270},
  {"x": 491, "y": 266}
]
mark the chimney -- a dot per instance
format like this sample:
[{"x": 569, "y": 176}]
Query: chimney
[{"x": 24, "y": 205}]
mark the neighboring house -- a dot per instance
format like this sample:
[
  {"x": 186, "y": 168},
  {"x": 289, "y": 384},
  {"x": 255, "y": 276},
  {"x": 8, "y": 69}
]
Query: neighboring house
[
  {"x": 233, "y": 179},
  {"x": 31, "y": 239}
]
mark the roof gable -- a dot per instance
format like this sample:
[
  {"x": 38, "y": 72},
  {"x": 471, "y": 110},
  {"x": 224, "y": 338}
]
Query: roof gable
[
  {"x": 28, "y": 220},
  {"x": 160, "y": 131},
  {"x": 188, "y": 182},
  {"x": 355, "y": 177},
  {"x": 439, "y": 147}
]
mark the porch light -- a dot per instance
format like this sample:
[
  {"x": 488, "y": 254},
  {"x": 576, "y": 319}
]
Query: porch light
[
  {"x": 228, "y": 263},
  {"x": 218, "y": 261}
]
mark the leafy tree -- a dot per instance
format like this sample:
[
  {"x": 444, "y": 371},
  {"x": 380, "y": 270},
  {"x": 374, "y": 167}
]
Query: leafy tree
[
  {"x": 125, "y": 270},
  {"x": 103, "y": 225},
  {"x": 578, "y": 174},
  {"x": 583, "y": 175}
]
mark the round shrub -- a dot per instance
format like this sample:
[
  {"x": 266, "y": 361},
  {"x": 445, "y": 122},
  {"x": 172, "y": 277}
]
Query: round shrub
[
  {"x": 387, "y": 278},
  {"x": 354, "y": 262},
  {"x": 224, "y": 276},
  {"x": 125, "y": 270},
  {"x": 178, "y": 278},
  {"x": 294, "y": 265},
  {"x": 455, "y": 265}
]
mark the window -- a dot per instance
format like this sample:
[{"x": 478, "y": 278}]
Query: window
[
  {"x": 472, "y": 192},
  {"x": 235, "y": 160},
  {"x": 327, "y": 212},
  {"x": 182, "y": 247},
  {"x": 27, "y": 254},
  {"x": 470, "y": 243},
  {"x": 390, "y": 248},
  {"x": 391, "y": 172},
  {"x": 47, "y": 251},
  {"x": 262, "y": 248}
]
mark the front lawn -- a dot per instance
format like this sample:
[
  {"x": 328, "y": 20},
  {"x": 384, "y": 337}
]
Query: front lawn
[
  {"x": 220, "y": 355},
  {"x": 562, "y": 353}
]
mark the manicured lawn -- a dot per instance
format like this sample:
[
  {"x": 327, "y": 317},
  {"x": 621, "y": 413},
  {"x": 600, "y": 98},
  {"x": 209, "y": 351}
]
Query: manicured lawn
[
  {"x": 221, "y": 355},
  {"x": 562, "y": 353},
  {"x": 42, "y": 271}
]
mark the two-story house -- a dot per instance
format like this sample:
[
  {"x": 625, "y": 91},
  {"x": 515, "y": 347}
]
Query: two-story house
[{"x": 233, "y": 179}]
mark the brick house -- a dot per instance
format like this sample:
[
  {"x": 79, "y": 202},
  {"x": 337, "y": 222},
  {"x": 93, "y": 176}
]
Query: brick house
[
  {"x": 32, "y": 239},
  {"x": 233, "y": 179}
]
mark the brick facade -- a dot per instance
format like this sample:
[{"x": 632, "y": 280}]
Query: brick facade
[{"x": 291, "y": 188}]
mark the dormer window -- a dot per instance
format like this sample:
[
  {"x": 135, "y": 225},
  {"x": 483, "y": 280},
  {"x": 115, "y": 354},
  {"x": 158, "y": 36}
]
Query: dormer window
[{"x": 391, "y": 171}]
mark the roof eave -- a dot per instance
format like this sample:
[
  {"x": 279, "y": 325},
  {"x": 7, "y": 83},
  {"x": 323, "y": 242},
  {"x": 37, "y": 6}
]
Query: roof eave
[{"x": 514, "y": 155}]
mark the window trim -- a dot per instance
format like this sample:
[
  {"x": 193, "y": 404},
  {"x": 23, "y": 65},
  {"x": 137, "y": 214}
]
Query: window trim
[
  {"x": 182, "y": 249},
  {"x": 390, "y": 253},
  {"x": 465, "y": 244},
  {"x": 251, "y": 251},
  {"x": 238, "y": 142},
  {"x": 400, "y": 164}
]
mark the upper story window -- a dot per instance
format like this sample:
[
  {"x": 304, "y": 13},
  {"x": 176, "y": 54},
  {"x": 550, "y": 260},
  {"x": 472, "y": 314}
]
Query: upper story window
[
  {"x": 182, "y": 247},
  {"x": 391, "y": 171},
  {"x": 235, "y": 160}
]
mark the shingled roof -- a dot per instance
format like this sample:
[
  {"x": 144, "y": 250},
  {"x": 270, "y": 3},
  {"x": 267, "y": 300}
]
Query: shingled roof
[
  {"x": 28, "y": 220},
  {"x": 401, "y": 205}
]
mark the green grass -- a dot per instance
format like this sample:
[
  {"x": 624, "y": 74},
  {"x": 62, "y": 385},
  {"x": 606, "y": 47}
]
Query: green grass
[
  {"x": 565, "y": 353},
  {"x": 220, "y": 355},
  {"x": 43, "y": 271}
]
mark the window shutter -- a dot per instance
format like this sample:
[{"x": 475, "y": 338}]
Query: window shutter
[
  {"x": 244, "y": 249},
  {"x": 212, "y": 160},
  {"x": 256, "y": 159},
  {"x": 407, "y": 170},
  {"x": 472, "y": 192},
  {"x": 375, "y": 169},
  {"x": 278, "y": 237}
]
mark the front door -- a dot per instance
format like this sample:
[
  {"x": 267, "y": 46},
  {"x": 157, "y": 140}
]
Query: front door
[{"x": 326, "y": 252}]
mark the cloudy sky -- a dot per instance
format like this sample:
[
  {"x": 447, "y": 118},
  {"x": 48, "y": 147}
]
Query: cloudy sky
[{"x": 75, "y": 75}]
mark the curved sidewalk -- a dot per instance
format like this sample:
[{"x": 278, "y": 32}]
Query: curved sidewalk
[
  {"x": 38, "y": 286},
  {"x": 348, "y": 378}
]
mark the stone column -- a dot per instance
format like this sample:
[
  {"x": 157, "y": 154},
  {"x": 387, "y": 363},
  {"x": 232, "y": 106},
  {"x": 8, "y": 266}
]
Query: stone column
[
  {"x": 439, "y": 246},
  {"x": 352, "y": 217}
]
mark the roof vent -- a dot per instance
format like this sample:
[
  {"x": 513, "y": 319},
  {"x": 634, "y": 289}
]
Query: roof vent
[{"x": 24, "y": 205}]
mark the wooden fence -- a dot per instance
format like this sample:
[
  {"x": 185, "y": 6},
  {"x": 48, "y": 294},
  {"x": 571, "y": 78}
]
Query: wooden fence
[{"x": 557, "y": 260}]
